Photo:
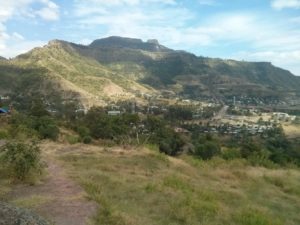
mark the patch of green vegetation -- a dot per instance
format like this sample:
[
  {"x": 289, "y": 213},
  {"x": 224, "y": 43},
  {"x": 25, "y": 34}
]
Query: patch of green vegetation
[
  {"x": 72, "y": 139},
  {"x": 137, "y": 187},
  {"x": 21, "y": 160},
  {"x": 5, "y": 184},
  {"x": 251, "y": 216},
  {"x": 32, "y": 202}
]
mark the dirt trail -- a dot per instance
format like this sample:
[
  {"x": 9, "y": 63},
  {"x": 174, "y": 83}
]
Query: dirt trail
[{"x": 65, "y": 200}]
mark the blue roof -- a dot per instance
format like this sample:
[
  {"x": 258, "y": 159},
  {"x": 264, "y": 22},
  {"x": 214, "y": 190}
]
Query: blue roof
[{"x": 3, "y": 110}]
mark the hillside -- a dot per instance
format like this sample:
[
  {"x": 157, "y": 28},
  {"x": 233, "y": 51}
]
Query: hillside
[
  {"x": 192, "y": 75},
  {"x": 143, "y": 186},
  {"x": 115, "y": 68},
  {"x": 61, "y": 69}
]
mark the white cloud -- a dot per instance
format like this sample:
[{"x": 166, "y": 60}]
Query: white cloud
[
  {"x": 49, "y": 12},
  {"x": 19, "y": 47},
  {"x": 12, "y": 44},
  {"x": 284, "y": 59},
  {"x": 24, "y": 8},
  {"x": 256, "y": 33},
  {"x": 17, "y": 36},
  {"x": 281, "y": 4}
]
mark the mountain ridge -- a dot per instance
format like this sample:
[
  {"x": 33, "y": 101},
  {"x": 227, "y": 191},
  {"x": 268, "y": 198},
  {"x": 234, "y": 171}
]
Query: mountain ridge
[
  {"x": 131, "y": 43},
  {"x": 117, "y": 68}
]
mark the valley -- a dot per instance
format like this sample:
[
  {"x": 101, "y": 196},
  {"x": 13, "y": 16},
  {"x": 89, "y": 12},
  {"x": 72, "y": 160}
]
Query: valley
[{"x": 125, "y": 132}]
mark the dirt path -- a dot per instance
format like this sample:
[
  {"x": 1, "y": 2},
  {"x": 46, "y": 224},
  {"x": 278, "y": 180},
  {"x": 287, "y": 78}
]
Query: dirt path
[{"x": 58, "y": 199}]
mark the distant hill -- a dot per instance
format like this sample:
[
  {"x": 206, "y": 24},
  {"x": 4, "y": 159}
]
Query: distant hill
[
  {"x": 2, "y": 58},
  {"x": 129, "y": 43},
  {"x": 191, "y": 75},
  {"x": 117, "y": 68}
]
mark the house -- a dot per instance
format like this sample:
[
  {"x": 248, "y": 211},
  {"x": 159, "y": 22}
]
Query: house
[
  {"x": 3, "y": 111},
  {"x": 114, "y": 113},
  {"x": 180, "y": 130},
  {"x": 281, "y": 116},
  {"x": 4, "y": 97}
]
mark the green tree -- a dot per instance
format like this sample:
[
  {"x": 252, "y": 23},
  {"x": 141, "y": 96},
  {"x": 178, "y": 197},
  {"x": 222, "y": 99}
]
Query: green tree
[
  {"x": 46, "y": 127},
  {"x": 21, "y": 158},
  {"x": 38, "y": 108},
  {"x": 207, "y": 150}
]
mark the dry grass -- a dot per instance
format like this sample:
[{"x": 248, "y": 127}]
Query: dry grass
[
  {"x": 291, "y": 131},
  {"x": 139, "y": 186},
  {"x": 32, "y": 202}
]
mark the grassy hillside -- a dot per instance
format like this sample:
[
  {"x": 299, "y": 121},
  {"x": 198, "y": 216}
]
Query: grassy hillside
[
  {"x": 84, "y": 75},
  {"x": 162, "y": 68},
  {"x": 25, "y": 82},
  {"x": 143, "y": 186},
  {"x": 117, "y": 68},
  {"x": 68, "y": 71}
]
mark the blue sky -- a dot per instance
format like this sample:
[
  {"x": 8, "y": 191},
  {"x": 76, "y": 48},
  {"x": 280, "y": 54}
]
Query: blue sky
[{"x": 256, "y": 30}]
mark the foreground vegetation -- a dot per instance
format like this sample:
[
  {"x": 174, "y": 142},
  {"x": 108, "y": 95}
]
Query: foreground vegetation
[
  {"x": 208, "y": 180},
  {"x": 144, "y": 186}
]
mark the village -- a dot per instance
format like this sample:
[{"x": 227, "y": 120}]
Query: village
[
  {"x": 212, "y": 116},
  {"x": 203, "y": 116}
]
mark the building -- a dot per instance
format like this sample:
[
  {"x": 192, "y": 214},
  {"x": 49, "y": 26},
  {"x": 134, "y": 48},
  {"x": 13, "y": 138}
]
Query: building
[
  {"x": 283, "y": 116},
  {"x": 114, "y": 113},
  {"x": 3, "y": 111}
]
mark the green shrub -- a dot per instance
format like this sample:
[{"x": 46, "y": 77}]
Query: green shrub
[
  {"x": 21, "y": 158},
  {"x": 231, "y": 153},
  {"x": 87, "y": 140},
  {"x": 207, "y": 150},
  {"x": 83, "y": 131},
  {"x": 72, "y": 139},
  {"x": 47, "y": 128},
  {"x": 3, "y": 134}
]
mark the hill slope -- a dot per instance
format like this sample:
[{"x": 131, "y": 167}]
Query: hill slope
[
  {"x": 116, "y": 68},
  {"x": 187, "y": 74},
  {"x": 146, "y": 187}
]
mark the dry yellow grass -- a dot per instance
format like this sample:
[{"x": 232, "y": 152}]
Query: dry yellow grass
[
  {"x": 291, "y": 131},
  {"x": 142, "y": 186}
]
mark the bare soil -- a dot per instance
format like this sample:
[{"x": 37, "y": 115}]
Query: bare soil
[{"x": 67, "y": 203}]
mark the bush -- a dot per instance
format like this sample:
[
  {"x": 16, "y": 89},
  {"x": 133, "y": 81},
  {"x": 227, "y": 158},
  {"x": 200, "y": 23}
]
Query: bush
[
  {"x": 3, "y": 134},
  {"x": 23, "y": 126},
  {"x": 170, "y": 143},
  {"x": 82, "y": 131},
  {"x": 87, "y": 140},
  {"x": 46, "y": 128},
  {"x": 207, "y": 150},
  {"x": 23, "y": 159},
  {"x": 250, "y": 148},
  {"x": 72, "y": 139},
  {"x": 231, "y": 153}
]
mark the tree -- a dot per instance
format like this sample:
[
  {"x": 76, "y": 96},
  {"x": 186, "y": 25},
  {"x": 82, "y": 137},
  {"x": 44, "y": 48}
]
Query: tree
[
  {"x": 207, "y": 150},
  {"x": 46, "y": 127},
  {"x": 21, "y": 158},
  {"x": 38, "y": 108}
]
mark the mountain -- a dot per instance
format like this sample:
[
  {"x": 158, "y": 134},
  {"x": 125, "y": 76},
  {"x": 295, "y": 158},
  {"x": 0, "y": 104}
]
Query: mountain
[
  {"x": 129, "y": 43},
  {"x": 2, "y": 58},
  {"x": 188, "y": 74},
  {"x": 116, "y": 68}
]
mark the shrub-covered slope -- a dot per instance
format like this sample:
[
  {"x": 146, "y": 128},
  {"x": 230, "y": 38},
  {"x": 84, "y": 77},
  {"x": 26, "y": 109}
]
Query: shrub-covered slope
[{"x": 118, "y": 68}]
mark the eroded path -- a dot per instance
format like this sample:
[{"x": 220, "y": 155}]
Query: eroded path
[{"x": 58, "y": 198}]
